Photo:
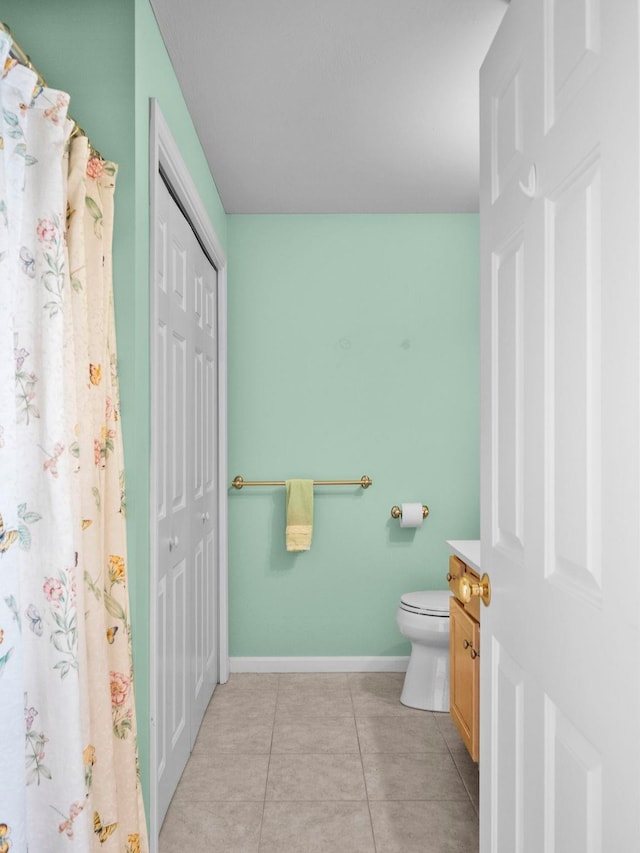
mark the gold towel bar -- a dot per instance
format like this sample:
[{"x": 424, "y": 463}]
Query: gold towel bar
[{"x": 364, "y": 481}]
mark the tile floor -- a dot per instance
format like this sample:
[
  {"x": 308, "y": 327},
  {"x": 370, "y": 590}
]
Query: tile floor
[{"x": 323, "y": 763}]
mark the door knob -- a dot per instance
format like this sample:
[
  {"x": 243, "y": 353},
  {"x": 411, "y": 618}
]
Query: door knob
[
  {"x": 173, "y": 543},
  {"x": 205, "y": 517},
  {"x": 468, "y": 589}
]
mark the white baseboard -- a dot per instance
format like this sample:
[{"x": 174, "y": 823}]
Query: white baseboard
[{"x": 382, "y": 663}]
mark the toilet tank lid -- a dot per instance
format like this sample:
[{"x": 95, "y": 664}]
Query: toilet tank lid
[{"x": 434, "y": 601}]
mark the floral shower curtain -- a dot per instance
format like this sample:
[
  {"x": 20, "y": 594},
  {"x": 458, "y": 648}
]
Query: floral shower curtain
[{"x": 69, "y": 776}]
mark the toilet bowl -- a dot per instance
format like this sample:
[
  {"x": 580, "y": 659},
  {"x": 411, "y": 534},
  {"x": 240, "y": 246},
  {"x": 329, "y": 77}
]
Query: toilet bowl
[{"x": 423, "y": 618}]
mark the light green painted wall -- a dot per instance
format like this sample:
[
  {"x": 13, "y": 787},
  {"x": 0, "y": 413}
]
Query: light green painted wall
[
  {"x": 111, "y": 59},
  {"x": 154, "y": 78},
  {"x": 353, "y": 350}
]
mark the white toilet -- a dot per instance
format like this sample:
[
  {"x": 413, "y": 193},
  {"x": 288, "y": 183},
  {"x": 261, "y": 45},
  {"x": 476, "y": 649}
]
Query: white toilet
[{"x": 423, "y": 618}]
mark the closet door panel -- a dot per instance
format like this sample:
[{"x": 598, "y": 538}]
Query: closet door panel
[
  {"x": 172, "y": 530},
  {"x": 203, "y": 504}
]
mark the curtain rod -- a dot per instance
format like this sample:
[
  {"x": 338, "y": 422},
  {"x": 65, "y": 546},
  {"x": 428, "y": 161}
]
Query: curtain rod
[
  {"x": 23, "y": 58},
  {"x": 364, "y": 481}
]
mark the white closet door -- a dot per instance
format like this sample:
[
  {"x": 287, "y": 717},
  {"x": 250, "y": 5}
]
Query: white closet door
[
  {"x": 560, "y": 682},
  {"x": 203, "y": 461},
  {"x": 185, "y": 453}
]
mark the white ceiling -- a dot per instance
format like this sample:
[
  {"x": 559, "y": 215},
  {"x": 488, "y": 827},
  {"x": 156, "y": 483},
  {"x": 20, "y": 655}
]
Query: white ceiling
[{"x": 335, "y": 106}]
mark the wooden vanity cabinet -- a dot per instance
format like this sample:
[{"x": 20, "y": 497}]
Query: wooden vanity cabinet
[{"x": 464, "y": 652}]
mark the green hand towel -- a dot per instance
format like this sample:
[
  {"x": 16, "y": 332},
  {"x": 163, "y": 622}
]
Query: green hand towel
[{"x": 299, "y": 514}]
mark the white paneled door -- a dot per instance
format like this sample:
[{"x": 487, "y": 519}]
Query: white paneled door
[
  {"x": 185, "y": 455},
  {"x": 560, "y": 701}
]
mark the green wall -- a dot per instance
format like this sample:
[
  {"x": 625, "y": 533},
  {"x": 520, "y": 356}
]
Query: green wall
[
  {"x": 154, "y": 78},
  {"x": 353, "y": 349},
  {"x": 111, "y": 59}
]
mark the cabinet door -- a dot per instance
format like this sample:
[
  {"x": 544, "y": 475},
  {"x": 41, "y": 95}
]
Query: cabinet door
[{"x": 464, "y": 646}]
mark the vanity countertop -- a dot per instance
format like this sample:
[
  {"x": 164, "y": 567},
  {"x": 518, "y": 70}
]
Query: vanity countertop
[{"x": 468, "y": 550}]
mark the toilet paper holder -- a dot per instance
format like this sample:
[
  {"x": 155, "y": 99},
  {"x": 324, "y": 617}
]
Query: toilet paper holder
[{"x": 396, "y": 512}]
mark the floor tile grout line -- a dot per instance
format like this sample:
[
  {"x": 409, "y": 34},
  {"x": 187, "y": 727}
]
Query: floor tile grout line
[
  {"x": 455, "y": 764},
  {"x": 464, "y": 784},
  {"x": 364, "y": 777},
  {"x": 355, "y": 723},
  {"x": 266, "y": 782}
]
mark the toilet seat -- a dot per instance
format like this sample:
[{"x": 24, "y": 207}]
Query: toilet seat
[{"x": 433, "y": 602}]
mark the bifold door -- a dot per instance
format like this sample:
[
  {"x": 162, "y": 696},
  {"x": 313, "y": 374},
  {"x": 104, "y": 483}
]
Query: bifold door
[{"x": 184, "y": 427}]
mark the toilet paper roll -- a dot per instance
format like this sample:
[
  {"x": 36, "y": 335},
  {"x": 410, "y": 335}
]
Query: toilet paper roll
[{"x": 411, "y": 515}]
